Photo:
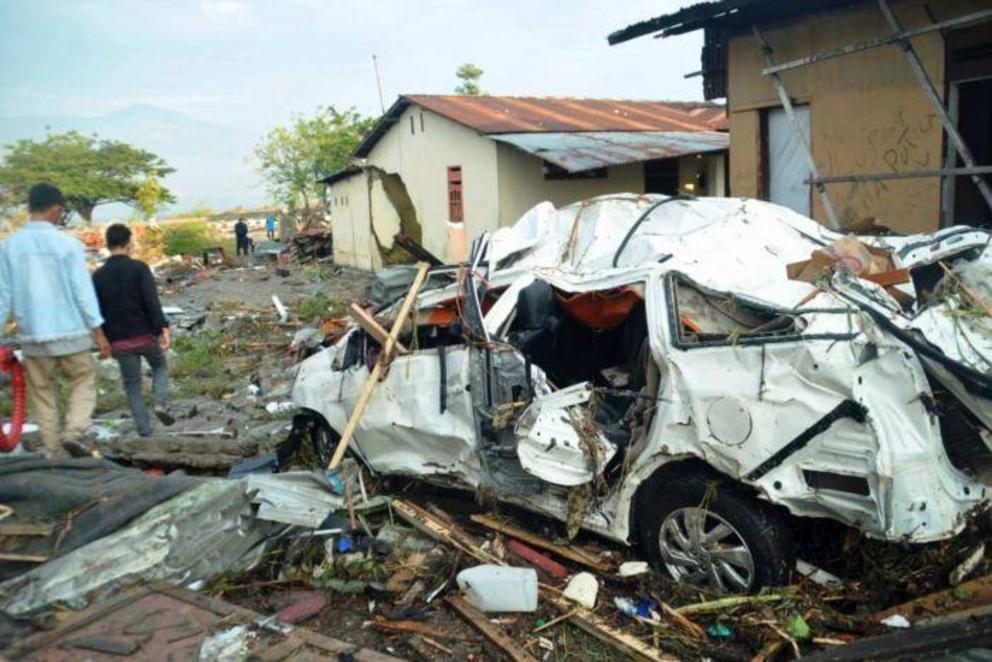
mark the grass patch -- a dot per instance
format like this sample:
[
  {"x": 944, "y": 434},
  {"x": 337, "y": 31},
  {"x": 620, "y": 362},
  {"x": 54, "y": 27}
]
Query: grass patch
[
  {"x": 189, "y": 238},
  {"x": 316, "y": 307},
  {"x": 198, "y": 356},
  {"x": 110, "y": 395}
]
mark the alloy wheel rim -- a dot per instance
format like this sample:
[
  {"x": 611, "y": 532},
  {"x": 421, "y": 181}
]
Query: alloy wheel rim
[{"x": 700, "y": 547}]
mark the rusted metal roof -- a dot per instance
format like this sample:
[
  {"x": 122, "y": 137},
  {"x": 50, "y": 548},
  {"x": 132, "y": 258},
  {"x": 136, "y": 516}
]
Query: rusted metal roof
[
  {"x": 494, "y": 115},
  {"x": 587, "y": 150}
]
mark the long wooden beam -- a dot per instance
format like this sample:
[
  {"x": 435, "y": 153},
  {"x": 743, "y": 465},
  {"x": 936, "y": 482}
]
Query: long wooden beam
[
  {"x": 958, "y": 22},
  {"x": 379, "y": 368},
  {"x": 913, "y": 174}
]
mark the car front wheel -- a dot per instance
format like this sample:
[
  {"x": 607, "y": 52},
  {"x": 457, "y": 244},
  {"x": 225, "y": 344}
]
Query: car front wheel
[{"x": 710, "y": 533}]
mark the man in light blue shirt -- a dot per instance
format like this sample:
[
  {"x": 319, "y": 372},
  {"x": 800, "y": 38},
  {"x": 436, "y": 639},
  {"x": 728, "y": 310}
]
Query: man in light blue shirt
[
  {"x": 270, "y": 227},
  {"x": 45, "y": 287}
]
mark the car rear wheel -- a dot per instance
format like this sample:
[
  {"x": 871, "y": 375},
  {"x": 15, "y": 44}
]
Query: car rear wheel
[{"x": 711, "y": 533}]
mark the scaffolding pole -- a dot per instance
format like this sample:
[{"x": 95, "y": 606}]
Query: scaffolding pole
[
  {"x": 935, "y": 100},
  {"x": 914, "y": 174},
  {"x": 783, "y": 96},
  {"x": 960, "y": 21}
]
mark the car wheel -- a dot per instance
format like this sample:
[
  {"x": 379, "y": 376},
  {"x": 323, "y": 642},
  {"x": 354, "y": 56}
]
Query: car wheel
[{"x": 710, "y": 533}]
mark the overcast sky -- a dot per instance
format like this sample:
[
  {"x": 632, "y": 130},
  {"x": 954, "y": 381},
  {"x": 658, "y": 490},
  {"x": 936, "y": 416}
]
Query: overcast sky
[{"x": 251, "y": 64}]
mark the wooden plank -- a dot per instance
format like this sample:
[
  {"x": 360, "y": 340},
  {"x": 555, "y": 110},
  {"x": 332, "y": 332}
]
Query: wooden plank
[
  {"x": 378, "y": 368},
  {"x": 415, "y": 627},
  {"x": 564, "y": 551},
  {"x": 600, "y": 629},
  {"x": 40, "y": 529},
  {"x": 910, "y": 174},
  {"x": 582, "y": 618},
  {"x": 479, "y": 621},
  {"x": 976, "y": 592},
  {"x": 432, "y": 526},
  {"x": 22, "y": 558},
  {"x": 538, "y": 560},
  {"x": 373, "y": 328}
]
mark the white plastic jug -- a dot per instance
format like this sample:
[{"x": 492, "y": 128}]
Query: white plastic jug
[{"x": 499, "y": 588}]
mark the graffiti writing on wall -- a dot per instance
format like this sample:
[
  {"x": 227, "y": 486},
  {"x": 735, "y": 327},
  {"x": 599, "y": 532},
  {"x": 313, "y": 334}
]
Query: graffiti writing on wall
[{"x": 898, "y": 145}]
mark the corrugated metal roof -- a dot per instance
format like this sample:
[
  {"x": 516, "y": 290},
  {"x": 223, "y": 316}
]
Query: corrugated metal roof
[
  {"x": 577, "y": 151},
  {"x": 501, "y": 115},
  {"x": 495, "y": 114}
]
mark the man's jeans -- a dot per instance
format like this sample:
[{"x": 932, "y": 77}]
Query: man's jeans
[{"x": 130, "y": 365}]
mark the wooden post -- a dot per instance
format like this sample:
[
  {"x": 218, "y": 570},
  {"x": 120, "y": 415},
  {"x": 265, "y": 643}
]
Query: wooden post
[{"x": 379, "y": 367}]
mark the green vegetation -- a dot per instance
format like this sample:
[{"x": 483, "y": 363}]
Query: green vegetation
[
  {"x": 188, "y": 238},
  {"x": 199, "y": 356},
  {"x": 90, "y": 171},
  {"x": 199, "y": 366},
  {"x": 293, "y": 158},
  {"x": 469, "y": 75},
  {"x": 317, "y": 307}
]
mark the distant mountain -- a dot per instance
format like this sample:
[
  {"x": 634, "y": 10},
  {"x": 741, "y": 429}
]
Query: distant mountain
[{"x": 211, "y": 161}]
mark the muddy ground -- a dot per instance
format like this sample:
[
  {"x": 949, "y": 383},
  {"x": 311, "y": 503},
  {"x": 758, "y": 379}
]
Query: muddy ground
[{"x": 232, "y": 358}]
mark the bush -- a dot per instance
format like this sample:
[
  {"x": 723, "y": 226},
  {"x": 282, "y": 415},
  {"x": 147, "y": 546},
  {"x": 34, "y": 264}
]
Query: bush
[
  {"x": 199, "y": 356},
  {"x": 188, "y": 238},
  {"x": 317, "y": 307}
]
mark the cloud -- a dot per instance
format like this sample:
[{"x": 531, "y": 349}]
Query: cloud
[{"x": 224, "y": 9}]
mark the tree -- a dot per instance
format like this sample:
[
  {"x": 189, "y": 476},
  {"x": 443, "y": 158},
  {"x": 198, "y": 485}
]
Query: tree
[
  {"x": 469, "y": 75},
  {"x": 90, "y": 171},
  {"x": 293, "y": 158},
  {"x": 148, "y": 197}
]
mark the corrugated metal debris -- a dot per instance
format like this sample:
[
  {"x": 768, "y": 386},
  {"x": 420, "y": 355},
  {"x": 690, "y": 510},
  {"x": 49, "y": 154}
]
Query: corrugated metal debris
[{"x": 576, "y": 152}]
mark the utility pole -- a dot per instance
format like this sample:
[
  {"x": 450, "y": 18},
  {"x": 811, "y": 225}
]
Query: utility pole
[{"x": 378, "y": 83}]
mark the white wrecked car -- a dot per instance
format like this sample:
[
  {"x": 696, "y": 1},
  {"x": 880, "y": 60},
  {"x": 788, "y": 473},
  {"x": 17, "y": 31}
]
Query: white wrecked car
[{"x": 644, "y": 367}]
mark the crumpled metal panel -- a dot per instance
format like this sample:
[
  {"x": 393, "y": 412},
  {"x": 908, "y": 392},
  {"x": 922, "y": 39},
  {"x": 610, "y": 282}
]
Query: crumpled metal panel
[
  {"x": 576, "y": 152},
  {"x": 844, "y": 391},
  {"x": 204, "y": 531},
  {"x": 302, "y": 498}
]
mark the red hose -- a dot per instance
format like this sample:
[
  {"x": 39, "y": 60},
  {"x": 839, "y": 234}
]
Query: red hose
[{"x": 9, "y": 363}]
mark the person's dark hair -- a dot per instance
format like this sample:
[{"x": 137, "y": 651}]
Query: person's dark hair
[
  {"x": 118, "y": 235},
  {"x": 44, "y": 196}
]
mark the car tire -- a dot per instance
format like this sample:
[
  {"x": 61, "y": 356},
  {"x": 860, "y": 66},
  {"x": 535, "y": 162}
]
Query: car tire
[{"x": 707, "y": 531}]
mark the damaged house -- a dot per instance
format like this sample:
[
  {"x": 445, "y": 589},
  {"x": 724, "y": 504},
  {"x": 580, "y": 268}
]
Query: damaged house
[
  {"x": 892, "y": 98},
  {"x": 445, "y": 169}
]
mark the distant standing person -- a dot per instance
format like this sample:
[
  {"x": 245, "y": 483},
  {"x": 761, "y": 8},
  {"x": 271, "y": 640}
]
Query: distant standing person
[
  {"x": 45, "y": 284},
  {"x": 270, "y": 227},
  {"x": 135, "y": 326},
  {"x": 241, "y": 236}
]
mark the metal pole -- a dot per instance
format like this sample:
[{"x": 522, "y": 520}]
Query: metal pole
[
  {"x": 935, "y": 101},
  {"x": 916, "y": 174},
  {"x": 787, "y": 105},
  {"x": 960, "y": 21}
]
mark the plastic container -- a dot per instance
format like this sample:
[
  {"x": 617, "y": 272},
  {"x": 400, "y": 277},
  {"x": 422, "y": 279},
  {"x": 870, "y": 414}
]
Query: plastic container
[{"x": 499, "y": 588}]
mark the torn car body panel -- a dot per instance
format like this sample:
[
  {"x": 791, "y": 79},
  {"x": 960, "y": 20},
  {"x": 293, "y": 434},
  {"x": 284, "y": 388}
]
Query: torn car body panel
[{"x": 860, "y": 400}]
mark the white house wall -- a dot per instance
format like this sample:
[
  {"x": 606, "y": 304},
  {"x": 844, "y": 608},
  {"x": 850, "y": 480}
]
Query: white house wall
[
  {"x": 421, "y": 157},
  {"x": 353, "y": 243},
  {"x": 522, "y": 184}
]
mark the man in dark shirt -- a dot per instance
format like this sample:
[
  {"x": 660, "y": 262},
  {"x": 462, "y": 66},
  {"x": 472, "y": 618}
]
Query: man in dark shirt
[
  {"x": 135, "y": 326},
  {"x": 241, "y": 236}
]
